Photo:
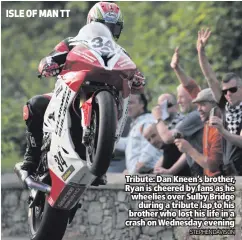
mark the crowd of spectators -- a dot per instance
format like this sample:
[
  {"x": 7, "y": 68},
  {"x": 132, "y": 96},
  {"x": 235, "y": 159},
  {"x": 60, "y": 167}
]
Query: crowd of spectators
[{"x": 197, "y": 133}]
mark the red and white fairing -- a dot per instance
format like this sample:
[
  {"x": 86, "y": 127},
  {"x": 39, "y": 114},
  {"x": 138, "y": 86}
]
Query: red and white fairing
[{"x": 84, "y": 64}]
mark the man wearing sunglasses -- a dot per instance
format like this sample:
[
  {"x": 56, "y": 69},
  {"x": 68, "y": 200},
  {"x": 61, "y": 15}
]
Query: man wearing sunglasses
[{"x": 229, "y": 99}]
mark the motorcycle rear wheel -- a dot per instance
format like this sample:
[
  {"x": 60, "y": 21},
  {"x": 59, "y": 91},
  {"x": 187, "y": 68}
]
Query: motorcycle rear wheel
[
  {"x": 45, "y": 222},
  {"x": 103, "y": 125}
]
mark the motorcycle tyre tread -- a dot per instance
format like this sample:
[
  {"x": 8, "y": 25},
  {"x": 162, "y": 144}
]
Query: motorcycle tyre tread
[{"x": 107, "y": 130}]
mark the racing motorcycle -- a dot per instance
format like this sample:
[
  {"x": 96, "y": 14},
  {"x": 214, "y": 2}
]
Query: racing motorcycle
[{"x": 83, "y": 121}]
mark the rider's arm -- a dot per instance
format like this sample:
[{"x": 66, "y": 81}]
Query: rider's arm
[
  {"x": 62, "y": 47},
  {"x": 139, "y": 77}
]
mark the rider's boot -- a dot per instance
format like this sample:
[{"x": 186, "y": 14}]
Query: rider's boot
[
  {"x": 33, "y": 152},
  {"x": 33, "y": 114}
]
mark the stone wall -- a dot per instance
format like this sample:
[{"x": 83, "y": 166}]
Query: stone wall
[{"x": 102, "y": 216}]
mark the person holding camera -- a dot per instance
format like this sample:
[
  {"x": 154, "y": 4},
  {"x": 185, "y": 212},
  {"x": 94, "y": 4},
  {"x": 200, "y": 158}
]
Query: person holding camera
[
  {"x": 191, "y": 127},
  {"x": 229, "y": 99},
  {"x": 210, "y": 158}
]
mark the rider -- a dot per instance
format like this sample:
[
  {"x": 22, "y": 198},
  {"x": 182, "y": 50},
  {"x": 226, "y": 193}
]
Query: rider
[{"x": 33, "y": 112}]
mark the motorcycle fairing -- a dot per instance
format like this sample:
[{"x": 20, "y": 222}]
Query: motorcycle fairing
[
  {"x": 65, "y": 166},
  {"x": 74, "y": 79},
  {"x": 83, "y": 65},
  {"x": 86, "y": 110},
  {"x": 118, "y": 72}
]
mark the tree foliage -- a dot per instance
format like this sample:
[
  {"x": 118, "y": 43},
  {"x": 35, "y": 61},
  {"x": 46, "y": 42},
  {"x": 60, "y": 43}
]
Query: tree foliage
[{"x": 152, "y": 31}]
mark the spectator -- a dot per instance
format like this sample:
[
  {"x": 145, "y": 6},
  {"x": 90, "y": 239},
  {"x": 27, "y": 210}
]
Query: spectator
[
  {"x": 190, "y": 127},
  {"x": 140, "y": 155},
  {"x": 229, "y": 99},
  {"x": 211, "y": 158},
  {"x": 171, "y": 154}
]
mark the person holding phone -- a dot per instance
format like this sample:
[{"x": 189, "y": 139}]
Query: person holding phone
[
  {"x": 191, "y": 127},
  {"x": 173, "y": 161}
]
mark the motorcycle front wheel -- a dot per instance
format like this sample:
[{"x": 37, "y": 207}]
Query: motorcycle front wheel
[{"x": 103, "y": 130}]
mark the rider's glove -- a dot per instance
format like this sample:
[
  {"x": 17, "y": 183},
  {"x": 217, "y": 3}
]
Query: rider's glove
[{"x": 50, "y": 68}]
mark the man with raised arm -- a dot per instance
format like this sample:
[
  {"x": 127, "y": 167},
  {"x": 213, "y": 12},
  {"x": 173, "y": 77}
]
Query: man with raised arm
[
  {"x": 211, "y": 158},
  {"x": 191, "y": 127},
  {"x": 229, "y": 98}
]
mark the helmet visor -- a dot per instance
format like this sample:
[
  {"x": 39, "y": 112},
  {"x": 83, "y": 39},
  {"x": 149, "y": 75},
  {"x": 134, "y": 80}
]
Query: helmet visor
[{"x": 115, "y": 28}]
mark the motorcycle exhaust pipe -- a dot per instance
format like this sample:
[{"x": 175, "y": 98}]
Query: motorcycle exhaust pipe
[{"x": 29, "y": 181}]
